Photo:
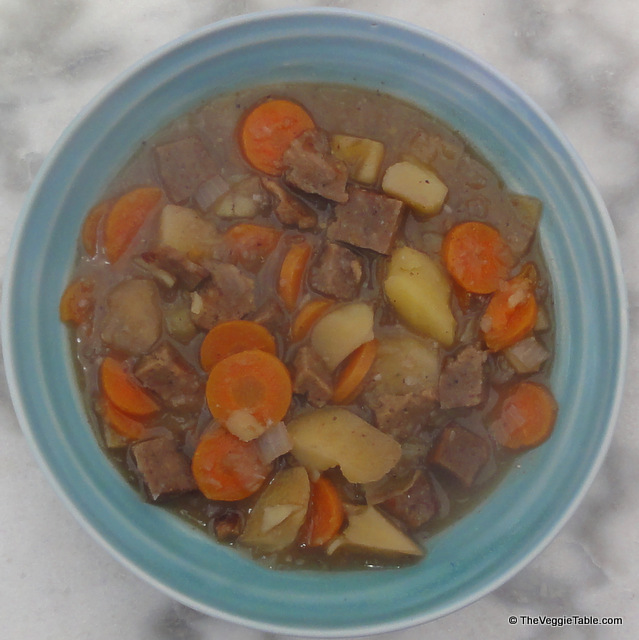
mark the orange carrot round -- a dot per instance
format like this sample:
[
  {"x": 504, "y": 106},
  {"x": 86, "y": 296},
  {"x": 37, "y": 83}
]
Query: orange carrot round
[
  {"x": 77, "y": 302},
  {"x": 231, "y": 337},
  {"x": 267, "y": 131},
  {"x": 254, "y": 381},
  {"x": 512, "y": 311},
  {"x": 526, "y": 417},
  {"x": 250, "y": 244},
  {"x": 124, "y": 391},
  {"x": 126, "y": 218},
  {"x": 476, "y": 256},
  {"x": 353, "y": 374},
  {"x": 226, "y": 468},
  {"x": 325, "y": 515},
  {"x": 292, "y": 273},
  {"x": 120, "y": 422},
  {"x": 308, "y": 315}
]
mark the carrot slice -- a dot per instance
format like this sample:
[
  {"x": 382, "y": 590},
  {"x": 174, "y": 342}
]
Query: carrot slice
[
  {"x": 120, "y": 422},
  {"x": 476, "y": 256},
  {"x": 512, "y": 311},
  {"x": 253, "y": 381},
  {"x": 77, "y": 302},
  {"x": 351, "y": 377},
  {"x": 226, "y": 468},
  {"x": 292, "y": 272},
  {"x": 325, "y": 515},
  {"x": 91, "y": 225},
  {"x": 309, "y": 314},
  {"x": 232, "y": 337},
  {"x": 124, "y": 391},
  {"x": 267, "y": 131},
  {"x": 251, "y": 244},
  {"x": 126, "y": 217},
  {"x": 527, "y": 415}
]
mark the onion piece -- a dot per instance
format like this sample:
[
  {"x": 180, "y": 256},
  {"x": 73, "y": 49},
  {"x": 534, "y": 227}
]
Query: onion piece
[
  {"x": 209, "y": 191},
  {"x": 273, "y": 443}
]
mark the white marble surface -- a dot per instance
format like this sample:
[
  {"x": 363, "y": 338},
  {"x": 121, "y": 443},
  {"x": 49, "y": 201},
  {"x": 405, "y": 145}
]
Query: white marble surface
[{"x": 578, "y": 59}]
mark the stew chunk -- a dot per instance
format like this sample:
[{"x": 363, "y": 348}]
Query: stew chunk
[{"x": 368, "y": 220}]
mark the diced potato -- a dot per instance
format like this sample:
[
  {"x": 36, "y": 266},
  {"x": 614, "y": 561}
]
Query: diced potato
[
  {"x": 332, "y": 437},
  {"x": 528, "y": 208},
  {"x": 245, "y": 199},
  {"x": 405, "y": 363},
  {"x": 178, "y": 321},
  {"x": 362, "y": 156},
  {"x": 337, "y": 334},
  {"x": 185, "y": 230},
  {"x": 133, "y": 319},
  {"x": 420, "y": 292},
  {"x": 416, "y": 185},
  {"x": 279, "y": 512},
  {"x": 369, "y": 529}
]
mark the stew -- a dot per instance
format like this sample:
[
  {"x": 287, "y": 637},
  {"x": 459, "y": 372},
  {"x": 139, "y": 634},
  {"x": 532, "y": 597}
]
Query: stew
[{"x": 314, "y": 322}]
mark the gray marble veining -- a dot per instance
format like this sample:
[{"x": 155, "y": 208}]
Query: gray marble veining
[{"x": 579, "y": 60}]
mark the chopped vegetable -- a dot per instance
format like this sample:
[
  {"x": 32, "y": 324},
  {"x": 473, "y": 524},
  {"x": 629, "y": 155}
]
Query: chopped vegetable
[
  {"x": 123, "y": 424},
  {"x": 279, "y": 512},
  {"x": 188, "y": 232},
  {"x": 362, "y": 156},
  {"x": 231, "y": 337},
  {"x": 274, "y": 442},
  {"x": 245, "y": 199},
  {"x": 527, "y": 355},
  {"x": 512, "y": 311},
  {"x": 77, "y": 303},
  {"x": 254, "y": 381},
  {"x": 292, "y": 273},
  {"x": 333, "y": 436},
  {"x": 420, "y": 292},
  {"x": 225, "y": 468},
  {"x": 477, "y": 257},
  {"x": 340, "y": 331},
  {"x": 126, "y": 218},
  {"x": 526, "y": 417},
  {"x": 352, "y": 376},
  {"x": 92, "y": 223},
  {"x": 308, "y": 315},
  {"x": 405, "y": 363},
  {"x": 124, "y": 391},
  {"x": 250, "y": 244},
  {"x": 369, "y": 529},
  {"x": 416, "y": 185},
  {"x": 325, "y": 516},
  {"x": 267, "y": 131}
]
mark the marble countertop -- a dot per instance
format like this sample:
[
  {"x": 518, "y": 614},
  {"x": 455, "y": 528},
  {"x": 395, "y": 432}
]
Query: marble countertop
[{"x": 579, "y": 60}]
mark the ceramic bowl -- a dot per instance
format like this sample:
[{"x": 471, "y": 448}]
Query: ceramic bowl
[{"x": 517, "y": 520}]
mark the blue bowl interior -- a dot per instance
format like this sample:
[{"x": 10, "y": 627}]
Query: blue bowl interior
[{"x": 519, "y": 518}]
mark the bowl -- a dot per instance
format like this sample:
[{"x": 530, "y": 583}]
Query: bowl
[{"x": 517, "y": 520}]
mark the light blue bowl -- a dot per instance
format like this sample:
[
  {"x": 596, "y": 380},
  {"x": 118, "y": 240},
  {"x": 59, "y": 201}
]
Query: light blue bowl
[{"x": 519, "y": 518}]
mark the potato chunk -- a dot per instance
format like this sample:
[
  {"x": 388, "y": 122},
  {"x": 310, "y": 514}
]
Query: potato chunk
[
  {"x": 133, "y": 319},
  {"x": 420, "y": 292},
  {"x": 362, "y": 156},
  {"x": 338, "y": 333},
  {"x": 189, "y": 233},
  {"x": 332, "y": 437},
  {"x": 279, "y": 512},
  {"x": 416, "y": 185},
  {"x": 369, "y": 529},
  {"x": 405, "y": 363}
]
